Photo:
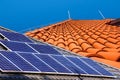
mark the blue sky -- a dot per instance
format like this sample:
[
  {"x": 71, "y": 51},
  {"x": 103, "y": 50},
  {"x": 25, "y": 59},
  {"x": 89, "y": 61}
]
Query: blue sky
[{"x": 22, "y": 15}]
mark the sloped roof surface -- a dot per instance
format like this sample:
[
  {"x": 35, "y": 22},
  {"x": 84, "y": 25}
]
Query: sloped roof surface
[
  {"x": 31, "y": 76},
  {"x": 91, "y": 38}
]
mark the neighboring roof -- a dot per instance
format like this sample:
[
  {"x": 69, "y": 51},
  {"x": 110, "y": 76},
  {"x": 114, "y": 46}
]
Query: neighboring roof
[
  {"x": 91, "y": 38},
  {"x": 32, "y": 76},
  {"x": 115, "y": 22}
]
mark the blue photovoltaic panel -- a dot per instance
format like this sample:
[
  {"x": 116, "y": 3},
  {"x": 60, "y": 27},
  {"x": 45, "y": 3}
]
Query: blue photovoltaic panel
[
  {"x": 37, "y": 62},
  {"x": 15, "y": 36},
  {"x": 96, "y": 66},
  {"x": 50, "y": 63},
  {"x": 53, "y": 63},
  {"x": 15, "y": 46},
  {"x": 82, "y": 65},
  {"x": 6, "y": 65},
  {"x": 69, "y": 65},
  {"x": 21, "y": 63},
  {"x": 45, "y": 49}
]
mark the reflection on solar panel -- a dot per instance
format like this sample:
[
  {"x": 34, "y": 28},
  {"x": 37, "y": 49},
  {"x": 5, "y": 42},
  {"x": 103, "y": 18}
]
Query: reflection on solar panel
[
  {"x": 39, "y": 63},
  {"x": 15, "y": 46},
  {"x": 46, "y": 49},
  {"x": 15, "y": 36}
]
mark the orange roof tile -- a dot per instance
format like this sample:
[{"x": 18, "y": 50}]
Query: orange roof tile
[
  {"x": 91, "y": 38},
  {"x": 105, "y": 61}
]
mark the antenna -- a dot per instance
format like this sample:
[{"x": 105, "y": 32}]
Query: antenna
[
  {"x": 101, "y": 14},
  {"x": 69, "y": 16}
]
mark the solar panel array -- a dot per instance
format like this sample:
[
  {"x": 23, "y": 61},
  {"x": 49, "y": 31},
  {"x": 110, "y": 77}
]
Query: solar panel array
[
  {"x": 39, "y": 63},
  {"x": 10, "y": 36},
  {"x": 24, "y": 56}
]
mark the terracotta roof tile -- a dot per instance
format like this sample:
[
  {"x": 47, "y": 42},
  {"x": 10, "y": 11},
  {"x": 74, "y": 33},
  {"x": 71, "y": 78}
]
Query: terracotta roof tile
[
  {"x": 111, "y": 45},
  {"x": 109, "y": 62},
  {"x": 51, "y": 40},
  {"x": 92, "y": 50},
  {"x": 98, "y": 45},
  {"x": 60, "y": 44},
  {"x": 110, "y": 49},
  {"x": 85, "y": 46},
  {"x": 91, "y": 38},
  {"x": 115, "y": 41},
  {"x": 95, "y": 36},
  {"x": 114, "y": 56}
]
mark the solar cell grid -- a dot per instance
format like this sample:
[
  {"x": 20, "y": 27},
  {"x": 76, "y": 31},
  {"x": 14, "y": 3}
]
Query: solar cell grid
[
  {"x": 69, "y": 65},
  {"x": 7, "y": 65},
  {"x": 15, "y": 36},
  {"x": 85, "y": 67},
  {"x": 15, "y": 46},
  {"x": 37, "y": 62},
  {"x": 58, "y": 67},
  {"x": 96, "y": 66},
  {"x": 22, "y": 64},
  {"x": 46, "y": 49}
]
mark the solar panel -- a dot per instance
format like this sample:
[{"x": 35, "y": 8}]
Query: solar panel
[
  {"x": 96, "y": 66},
  {"x": 58, "y": 67},
  {"x": 56, "y": 64},
  {"x": 69, "y": 65},
  {"x": 46, "y": 49},
  {"x": 6, "y": 65},
  {"x": 21, "y": 63},
  {"x": 15, "y": 46},
  {"x": 15, "y": 36},
  {"x": 82, "y": 65},
  {"x": 85, "y": 65},
  {"x": 37, "y": 62}
]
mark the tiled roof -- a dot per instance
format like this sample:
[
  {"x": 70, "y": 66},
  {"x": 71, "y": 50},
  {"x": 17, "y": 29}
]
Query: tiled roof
[{"x": 91, "y": 38}]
